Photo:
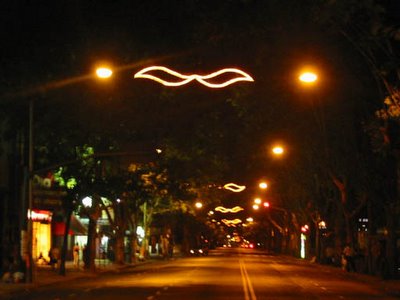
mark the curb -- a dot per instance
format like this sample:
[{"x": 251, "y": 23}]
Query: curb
[{"x": 16, "y": 290}]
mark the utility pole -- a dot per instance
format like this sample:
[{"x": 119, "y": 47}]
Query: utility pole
[{"x": 27, "y": 252}]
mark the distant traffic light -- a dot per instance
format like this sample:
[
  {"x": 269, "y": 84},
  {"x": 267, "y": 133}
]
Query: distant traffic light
[
  {"x": 304, "y": 229},
  {"x": 266, "y": 204}
]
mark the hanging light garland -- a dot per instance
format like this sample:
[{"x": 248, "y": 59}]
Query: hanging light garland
[
  {"x": 233, "y": 187},
  {"x": 228, "y": 210},
  {"x": 203, "y": 79}
]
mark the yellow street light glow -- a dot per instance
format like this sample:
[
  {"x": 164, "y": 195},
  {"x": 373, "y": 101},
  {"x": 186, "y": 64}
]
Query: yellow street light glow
[
  {"x": 308, "y": 77},
  {"x": 203, "y": 79},
  {"x": 199, "y": 205},
  {"x": 263, "y": 185},
  {"x": 322, "y": 225},
  {"x": 257, "y": 201},
  {"x": 103, "y": 72},
  {"x": 256, "y": 206},
  {"x": 234, "y": 187},
  {"x": 278, "y": 150}
]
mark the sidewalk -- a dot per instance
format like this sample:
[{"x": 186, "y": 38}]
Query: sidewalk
[
  {"x": 44, "y": 275},
  {"x": 390, "y": 287}
]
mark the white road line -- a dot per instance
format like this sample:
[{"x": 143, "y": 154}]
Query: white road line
[
  {"x": 245, "y": 288},
  {"x": 249, "y": 293}
]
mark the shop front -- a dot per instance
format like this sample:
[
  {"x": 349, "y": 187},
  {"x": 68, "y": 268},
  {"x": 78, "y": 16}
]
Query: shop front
[{"x": 41, "y": 234}]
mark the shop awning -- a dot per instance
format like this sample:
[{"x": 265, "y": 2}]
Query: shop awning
[{"x": 76, "y": 227}]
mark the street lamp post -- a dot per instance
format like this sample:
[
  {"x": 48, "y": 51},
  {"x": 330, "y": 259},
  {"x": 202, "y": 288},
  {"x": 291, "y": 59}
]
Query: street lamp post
[
  {"x": 282, "y": 229},
  {"x": 310, "y": 78},
  {"x": 27, "y": 245},
  {"x": 27, "y": 237}
]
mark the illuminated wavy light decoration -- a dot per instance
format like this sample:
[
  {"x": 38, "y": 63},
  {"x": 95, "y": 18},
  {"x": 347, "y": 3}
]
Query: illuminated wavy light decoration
[
  {"x": 203, "y": 79},
  {"x": 232, "y": 223},
  {"x": 228, "y": 210},
  {"x": 234, "y": 187}
]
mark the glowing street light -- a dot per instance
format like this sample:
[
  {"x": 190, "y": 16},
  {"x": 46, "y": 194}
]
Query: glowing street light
[
  {"x": 278, "y": 150},
  {"x": 198, "y": 205},
  {"x": 263, "y": 185},
  {"x": 322, "y": 225},
  {"x": 257, "y": 200},
  {"x": 87, "y": 202},
  {"x": 103, "y": 72},
  {"x": 308, "y": 77}
]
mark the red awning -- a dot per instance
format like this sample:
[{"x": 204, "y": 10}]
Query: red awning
[
  {"x": 59, "y": 229},
  {"x": 76, "y": 227}
]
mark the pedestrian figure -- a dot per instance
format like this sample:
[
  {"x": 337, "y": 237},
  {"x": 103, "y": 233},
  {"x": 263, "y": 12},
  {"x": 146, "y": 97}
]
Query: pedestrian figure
[
  {"x": 85, "y": 253},
  {"x": 15, "y": 270},
  {"x": 41, "y": 259},
  {"x": 76, "y": 255},
  {"x": 54, "y": 255},
  {"x": 348, "y": 254}
]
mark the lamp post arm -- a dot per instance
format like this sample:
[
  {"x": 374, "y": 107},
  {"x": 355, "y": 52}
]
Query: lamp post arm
[
  {"x": 96, "y": 155},
  {"x": 276, "y": 225}
]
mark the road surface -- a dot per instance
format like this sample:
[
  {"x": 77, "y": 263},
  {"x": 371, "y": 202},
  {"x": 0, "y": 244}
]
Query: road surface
[{"x": 226, "y": 274}]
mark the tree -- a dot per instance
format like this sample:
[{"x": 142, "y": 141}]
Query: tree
[{"x": 370, "y": 27}]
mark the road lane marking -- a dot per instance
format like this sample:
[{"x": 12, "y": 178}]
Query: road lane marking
[
  {"x": 247, "y": 285},
  {"x": 245, "y": 289}
]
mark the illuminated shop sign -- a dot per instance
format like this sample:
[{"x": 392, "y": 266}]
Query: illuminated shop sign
[{"x": 41, "y": 216}]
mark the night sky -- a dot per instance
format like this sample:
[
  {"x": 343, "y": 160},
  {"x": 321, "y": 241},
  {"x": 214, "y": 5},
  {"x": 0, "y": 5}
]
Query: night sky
[
  {"x": 70, "y": 36},
  {"x": 48, "y": 42}
]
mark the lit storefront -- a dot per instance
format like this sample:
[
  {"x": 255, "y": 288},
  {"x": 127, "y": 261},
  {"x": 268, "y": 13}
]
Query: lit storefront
[{"x": 41, "y": 234}]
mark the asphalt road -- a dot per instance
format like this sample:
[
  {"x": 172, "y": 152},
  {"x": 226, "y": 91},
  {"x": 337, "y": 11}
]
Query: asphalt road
[{"x": 225, "y": 274}]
